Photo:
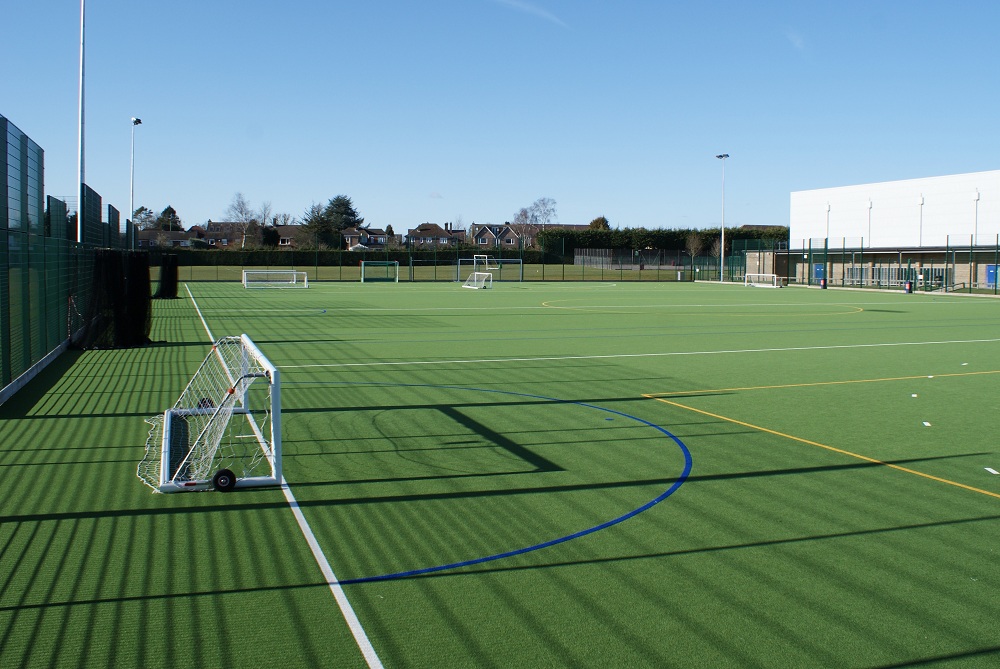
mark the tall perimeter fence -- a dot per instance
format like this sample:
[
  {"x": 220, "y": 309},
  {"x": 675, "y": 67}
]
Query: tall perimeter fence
[
  {"x": 961, "y": 265},
  {"x": 445, "y": 264},
  {"x": 957, "y": 266},
  {"x": 46, "y": 275}
]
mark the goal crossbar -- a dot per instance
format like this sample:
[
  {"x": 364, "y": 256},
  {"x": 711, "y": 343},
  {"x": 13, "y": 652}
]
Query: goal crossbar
[
  {"x": 763, "y": 280},
  {"x": 479, "y": 280},
  {"x": 275, "y": 278},
  {"x": 380, "y": 270}
]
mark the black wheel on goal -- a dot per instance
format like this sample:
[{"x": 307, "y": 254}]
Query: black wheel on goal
[{"x": 224, "y": 480}]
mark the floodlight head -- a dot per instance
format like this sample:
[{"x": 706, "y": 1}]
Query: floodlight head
[
  {"x": 723, "y": 156},
  {"x": 136, "y": 121}
]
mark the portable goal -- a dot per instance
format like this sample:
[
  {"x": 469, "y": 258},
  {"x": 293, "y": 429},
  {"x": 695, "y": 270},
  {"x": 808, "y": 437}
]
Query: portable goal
[
  {"x": 274, "y": 278},
  {"x": 479, "y": 280},
  {"x": 379, "y": 270},
  {"x": 503, "y": 269},
  {"x": 763, "y": 281},
  {"x": 224, "y": 431}
]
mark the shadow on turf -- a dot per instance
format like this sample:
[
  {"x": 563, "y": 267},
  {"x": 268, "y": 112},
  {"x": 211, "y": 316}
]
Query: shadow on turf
[
  {"x": 529, "y": 400},
  {"x": 469, "y": 571},
  {"x": 234, "y": 501}
]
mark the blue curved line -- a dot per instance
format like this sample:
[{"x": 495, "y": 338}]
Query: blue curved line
[{"x": 552, "y": 542}]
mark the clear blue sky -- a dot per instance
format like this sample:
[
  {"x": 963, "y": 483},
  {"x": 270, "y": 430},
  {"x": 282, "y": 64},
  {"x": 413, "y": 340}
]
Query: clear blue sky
[{"x": 468, "y": 110}]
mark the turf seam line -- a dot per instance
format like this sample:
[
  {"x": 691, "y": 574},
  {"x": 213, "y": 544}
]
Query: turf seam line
[
  {"x": 346, "y": 610},
  {"x": 829, "y": 448}
]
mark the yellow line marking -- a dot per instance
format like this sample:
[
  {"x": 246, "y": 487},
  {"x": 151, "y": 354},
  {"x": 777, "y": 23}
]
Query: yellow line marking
[
  {"x": 816, "y": 383},
  {"x": 829, "y": 448}
]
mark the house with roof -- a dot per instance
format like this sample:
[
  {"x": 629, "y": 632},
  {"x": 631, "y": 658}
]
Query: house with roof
[
  {"x": 432, "y": 234},
  {"x": 365, "y": 238}
]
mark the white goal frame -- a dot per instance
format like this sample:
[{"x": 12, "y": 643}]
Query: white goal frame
[
  {"x": 380, "y": 263},
  {"x": 224, "y": 431},
  {"x": 503, "y": 269},
  {"x": 275, "y": 278},
  {"x": 479, "y": 280},
  {"x": 763, "y": 281}
]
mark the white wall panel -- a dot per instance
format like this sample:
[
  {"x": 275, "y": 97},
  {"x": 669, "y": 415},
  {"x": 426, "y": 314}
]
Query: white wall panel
[{"x": 948, "y": 215}]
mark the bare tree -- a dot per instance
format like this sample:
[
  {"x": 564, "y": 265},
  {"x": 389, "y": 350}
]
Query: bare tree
[
  {"x": 543, "y": 211},
  {"x": 241, "y": 213},
  {"x": 694, "y": 243}
]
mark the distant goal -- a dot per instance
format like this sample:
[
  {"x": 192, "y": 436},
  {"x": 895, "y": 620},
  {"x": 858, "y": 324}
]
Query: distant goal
[
  {"x": 763, "y": 281},
  {"x": 274, "y": 278},
  {"x": 479, "y": 280},
  {"x": 379, "y": 270}
]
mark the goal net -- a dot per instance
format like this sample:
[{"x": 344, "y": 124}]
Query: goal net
[
  {"x": 763, "y": 281},
  {"x": 379, "y": 270},
  {"x": 225, "y": 429},
  {"x": 274, "y": 278},
  {"x": 503, "y": 269},
  {"x": 479, "y": 280},
  {"x": 483, "y": 263}
]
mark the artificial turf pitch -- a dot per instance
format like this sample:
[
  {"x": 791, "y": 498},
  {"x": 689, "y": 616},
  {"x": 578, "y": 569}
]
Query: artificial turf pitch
[{"x": 538, "y": 475}]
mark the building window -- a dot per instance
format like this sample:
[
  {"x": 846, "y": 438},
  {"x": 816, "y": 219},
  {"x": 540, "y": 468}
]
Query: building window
[{"x": 284, "y": 241}]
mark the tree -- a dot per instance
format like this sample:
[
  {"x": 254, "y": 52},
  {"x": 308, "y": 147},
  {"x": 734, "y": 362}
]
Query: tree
[
  {"x": 694, "y": 243},
  {"x": 341, "y": 214},
  {"x": 600, "y": 223},
  {"x": 317, "y": 230},
  {"x": 543, "y": 212},
  {"x": 388, "y": 231},
  {"x": 169, "y": 221},
  {"x": 241, "y": 213},
  {"x": 143, "y": 218}
]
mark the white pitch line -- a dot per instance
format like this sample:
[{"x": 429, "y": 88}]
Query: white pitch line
[
  {"x": 991, "y": 470},
  {"x": 632, "y": 355},
  {"x": 346, "y": 610}
]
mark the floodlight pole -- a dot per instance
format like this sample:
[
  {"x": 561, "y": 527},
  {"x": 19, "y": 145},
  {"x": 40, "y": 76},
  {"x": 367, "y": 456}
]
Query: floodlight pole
[
  {"x": 722, "y": 246},
  {"x": 80, "y": 153},
  {"x": 131, "y": 181}
]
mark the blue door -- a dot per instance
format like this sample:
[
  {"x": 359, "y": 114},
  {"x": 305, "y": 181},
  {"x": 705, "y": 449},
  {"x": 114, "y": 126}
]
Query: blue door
[
  {"x": 819, "y": 271},
  {"x": 991, "y": 276}
]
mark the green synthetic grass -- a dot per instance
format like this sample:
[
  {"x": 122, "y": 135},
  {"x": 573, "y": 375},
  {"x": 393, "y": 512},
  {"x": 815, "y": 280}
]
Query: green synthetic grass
[{"x": 822, "y": 522}]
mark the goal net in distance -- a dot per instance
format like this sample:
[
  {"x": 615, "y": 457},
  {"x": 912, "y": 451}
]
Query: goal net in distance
[
  {"x": 479, "y": 280},
  {"x": 224, "y": 431},
  {"x": 379, "y": 270},
  {"x": 763, "y": 280},
  {"x": 274, "y": 278},
  {"x": 503, "y": 269},
  {"x": 482, "y": 263}
]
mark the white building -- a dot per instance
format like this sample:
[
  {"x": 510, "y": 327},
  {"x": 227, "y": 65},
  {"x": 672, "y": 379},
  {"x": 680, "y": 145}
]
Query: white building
[{"x": 953, "y": 210}]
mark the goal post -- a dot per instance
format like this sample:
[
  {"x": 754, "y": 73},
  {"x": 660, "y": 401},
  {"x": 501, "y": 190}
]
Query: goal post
[
  {"x": 763, "y": 281},
  {"x": 483, "y": 263},
  {"x": 224, "y": 431},
  {"x": 274, "y": 278},
  {"x": 379, "y": 270},
  {"x": 479, "y": 280}
]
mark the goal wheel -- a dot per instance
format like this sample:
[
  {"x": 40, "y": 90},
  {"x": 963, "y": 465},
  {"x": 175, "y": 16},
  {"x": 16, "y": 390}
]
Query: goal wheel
[{"x": 224, "y": 480}]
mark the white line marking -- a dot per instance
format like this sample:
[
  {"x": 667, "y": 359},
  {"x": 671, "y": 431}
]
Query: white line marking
[
  {"x": 636, "y": 355},
  {"x": 198, "y": 309},
  {"x": 360, "y": 637},
  {"x": 926, "y": 424},
  {"x": 364, "y": 644},
  {"x": 991, "y": 470}
]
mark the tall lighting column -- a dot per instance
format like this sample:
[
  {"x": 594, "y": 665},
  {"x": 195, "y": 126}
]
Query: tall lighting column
[
  {"x": 131, "y": 180},
  {"x": 722, "y": 247}
]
